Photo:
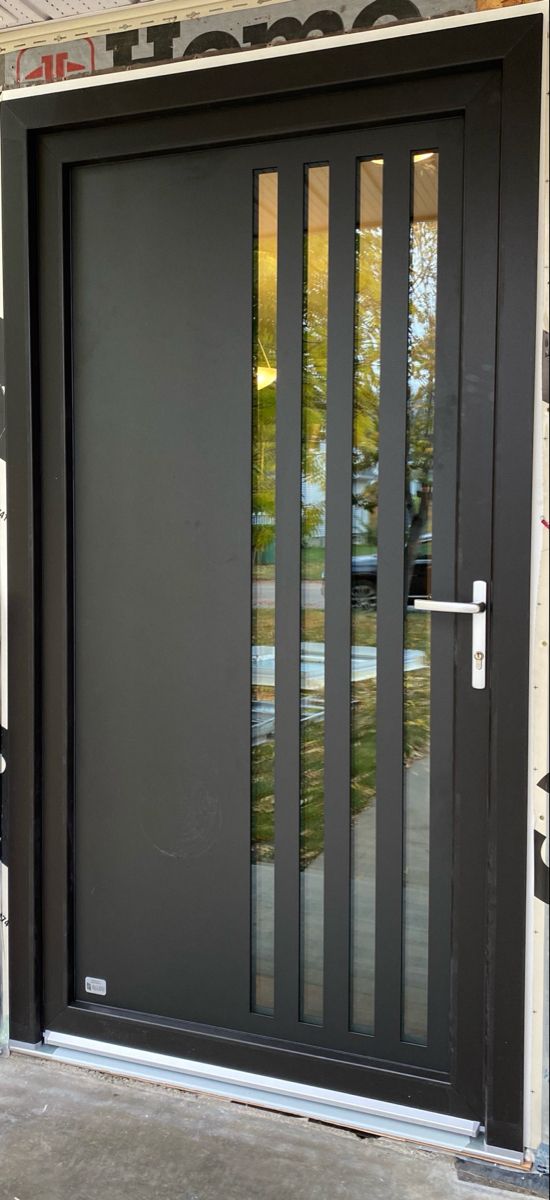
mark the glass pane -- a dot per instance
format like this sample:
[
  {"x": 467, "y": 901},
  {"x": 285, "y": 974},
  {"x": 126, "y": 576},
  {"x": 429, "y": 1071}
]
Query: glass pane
[
  {"x": 363, "y": 592},
  {"x": 418, "y": 567},
  {"x": 264, "y": 372},
  {"x": 313, "y": 599}
]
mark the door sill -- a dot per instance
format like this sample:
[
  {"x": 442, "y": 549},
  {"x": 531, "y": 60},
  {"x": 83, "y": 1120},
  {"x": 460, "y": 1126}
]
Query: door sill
[{"x": 435, "y": 1130}]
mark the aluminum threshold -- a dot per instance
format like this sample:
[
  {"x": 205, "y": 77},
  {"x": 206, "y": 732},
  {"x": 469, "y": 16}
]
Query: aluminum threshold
[{"x": 435, "y": 1130}]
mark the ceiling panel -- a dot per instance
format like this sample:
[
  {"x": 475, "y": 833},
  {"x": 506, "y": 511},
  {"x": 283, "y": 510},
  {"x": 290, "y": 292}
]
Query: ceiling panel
[{"x": 28, "y": 12}]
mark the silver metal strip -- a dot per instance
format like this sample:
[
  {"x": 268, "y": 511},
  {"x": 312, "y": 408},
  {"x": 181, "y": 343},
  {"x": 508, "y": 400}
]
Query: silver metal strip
[
  {"x": 431, "y": 1130},
  {"x": 479, "y": 635},
  {"x": 447, "y": 606},
  {"x": 205, "y": 1076}
]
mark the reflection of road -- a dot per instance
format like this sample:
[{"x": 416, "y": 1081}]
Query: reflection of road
[
  {"x": 415, "y": 908},
  {"x": 312, "y": 593}
]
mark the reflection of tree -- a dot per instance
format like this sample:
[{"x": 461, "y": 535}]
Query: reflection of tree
[
  {"x": 421, "y": 376},
  {"x": 367, "y": 369},
  {"x": 264, "y": 399},
  {"x": 421, "y": 345},
  {"x": 418, "y": 498},
  {"x": 314, "y": 385},
  {"x": 420, "y": 415}
]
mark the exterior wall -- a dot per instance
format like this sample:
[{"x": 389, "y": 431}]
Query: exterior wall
[
  {"x": 208, "y": 29},
  {"x": 28, "y": 59}
]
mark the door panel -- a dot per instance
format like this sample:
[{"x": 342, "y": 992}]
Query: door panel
[
  {"x": 256, "y": 374},
  {"x": 337, "y": 1005},
  {"x": 161, "y": 570}
]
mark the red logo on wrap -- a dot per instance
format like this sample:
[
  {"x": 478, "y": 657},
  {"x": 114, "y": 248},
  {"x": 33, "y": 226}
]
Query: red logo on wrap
[{"x": 34, "y": 67}]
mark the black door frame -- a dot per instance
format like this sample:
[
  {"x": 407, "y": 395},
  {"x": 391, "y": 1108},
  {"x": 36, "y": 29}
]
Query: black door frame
[{"x": 492, "y": 68}]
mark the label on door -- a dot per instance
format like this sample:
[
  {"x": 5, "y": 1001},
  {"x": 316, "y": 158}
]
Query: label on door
[{"x": 98, "y": 987}]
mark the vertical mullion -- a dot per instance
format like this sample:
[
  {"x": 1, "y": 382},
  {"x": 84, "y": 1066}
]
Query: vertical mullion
[
  {"x": 340, "y": 382},
  {"x": 287, "y": 590},
  {"x": 445, "y": 461},
  {"x": 390, "y": 604}
]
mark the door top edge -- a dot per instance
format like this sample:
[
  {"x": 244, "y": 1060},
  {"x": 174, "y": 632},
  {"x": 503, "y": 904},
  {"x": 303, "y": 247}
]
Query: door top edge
[{"x": 294, "y": 68}]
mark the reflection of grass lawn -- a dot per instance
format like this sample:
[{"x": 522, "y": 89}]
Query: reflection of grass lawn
[
  {"x": 313, "y": 562},
  {"x": 364, "y": 628},
  {"x": 363, "y": 741}
]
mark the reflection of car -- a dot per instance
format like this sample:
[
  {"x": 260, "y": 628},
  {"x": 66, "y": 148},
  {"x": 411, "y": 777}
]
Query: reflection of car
[{"x": 364, "y": 574}]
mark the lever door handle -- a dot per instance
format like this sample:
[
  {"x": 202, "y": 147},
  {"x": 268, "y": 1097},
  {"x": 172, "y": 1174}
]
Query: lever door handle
[
  {"x": 449, "y": 606},
  {"x": 477, "y": 609}
]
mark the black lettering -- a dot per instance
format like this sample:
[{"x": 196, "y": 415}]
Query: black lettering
[
  {"x": 121, "y": 44},
  {"x": 255, "y": 35},
  {"x": 323, "y": 22},
  {"x": 542, "y": 870},
  {"x": 400, "y": 10},
  {"x": 161, "y": 37},
  {"x": 290, "y": 29},
  {"x": 216, "y": 39}
]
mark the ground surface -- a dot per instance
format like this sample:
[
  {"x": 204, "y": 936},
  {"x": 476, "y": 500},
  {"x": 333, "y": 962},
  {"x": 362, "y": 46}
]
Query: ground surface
[{"x": 68, "y": 1134}]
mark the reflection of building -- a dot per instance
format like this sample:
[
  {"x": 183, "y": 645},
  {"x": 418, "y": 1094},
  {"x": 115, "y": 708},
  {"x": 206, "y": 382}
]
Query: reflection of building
[
  {"x": 265, "y": 539},
  {"x": 363, "y": 519}
]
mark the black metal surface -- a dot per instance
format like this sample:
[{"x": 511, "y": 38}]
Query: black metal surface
[
  {"x": 444, "y": 526},
  {"x": 340, "y": 359},
  {"x": 22, "y": 803},
  {"x": 473, "y": 561},
  {"x": 389, "y": 634},
  {"x": 161, "y": 380},
  {"x": 517, "y": 350},
  {"x": 290, "y": 283},
  {"x": 453, "y": 94},
  {"x": 307, "y": 77}
]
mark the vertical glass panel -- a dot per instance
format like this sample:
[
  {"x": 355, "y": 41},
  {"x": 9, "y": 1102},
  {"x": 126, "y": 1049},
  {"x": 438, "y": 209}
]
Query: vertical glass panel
[
  {"x": 313, "y": 599},
  {"x": 364, "y": 566},
  {"x": 418, "y": 567},
  {"x": 264, "y": 380}
]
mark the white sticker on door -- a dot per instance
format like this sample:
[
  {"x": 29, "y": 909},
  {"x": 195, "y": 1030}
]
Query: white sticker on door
[{"x": 98, "y": 987}]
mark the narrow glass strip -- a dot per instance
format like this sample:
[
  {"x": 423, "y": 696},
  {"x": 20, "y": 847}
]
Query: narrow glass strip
[
  {"x": 264, "y": 386},
  {"x": 364, "y": 565},
  {"x": 418, "y": 571},
  {"x": 312, "y": 723}
]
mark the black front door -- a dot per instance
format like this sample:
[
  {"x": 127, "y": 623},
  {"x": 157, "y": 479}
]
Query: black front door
[{"x": 267, "y": 373}]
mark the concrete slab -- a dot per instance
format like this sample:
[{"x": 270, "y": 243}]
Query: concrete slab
[{"x": 71, "y": 1134}]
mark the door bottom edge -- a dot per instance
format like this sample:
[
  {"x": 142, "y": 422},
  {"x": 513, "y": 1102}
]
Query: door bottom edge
[{"x": 431, "y": 1130}]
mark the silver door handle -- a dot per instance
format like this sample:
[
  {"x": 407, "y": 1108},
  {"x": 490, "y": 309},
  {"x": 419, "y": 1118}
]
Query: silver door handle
[
  {"x": 477, "y": 609},
  {"x": 449, "y": 606}
]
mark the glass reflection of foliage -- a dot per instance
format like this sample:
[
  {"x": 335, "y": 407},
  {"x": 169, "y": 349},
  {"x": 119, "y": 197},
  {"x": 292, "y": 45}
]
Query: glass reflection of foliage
[
  {"x": 368, "y": 314},
  {"x": 264, "y": 389},
  {"x": 314, "y": 401},
  {"x": 313, "y": 504},
  {"x": 421, "y": 356},
  {"x": 265, "y": 357},
  {"x": 314, "y": 380},
  {"x": 423, "y": 259},
  {"x": 365, "y": 488}
]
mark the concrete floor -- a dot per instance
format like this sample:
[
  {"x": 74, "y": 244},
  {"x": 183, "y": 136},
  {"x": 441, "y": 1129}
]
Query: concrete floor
[{"x": 70, "y": 1134}]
